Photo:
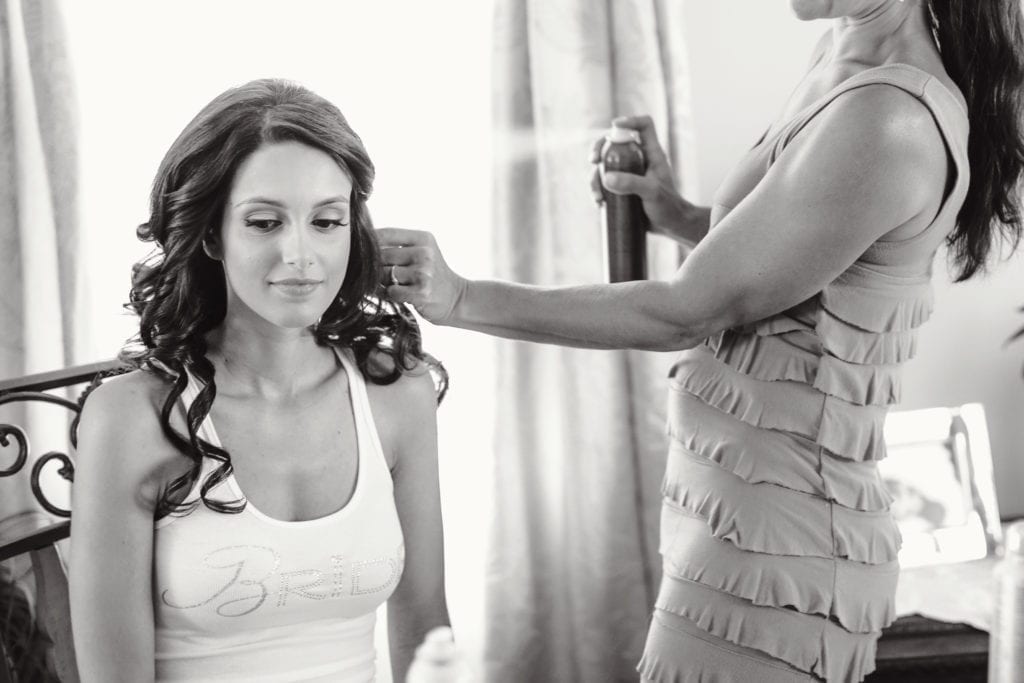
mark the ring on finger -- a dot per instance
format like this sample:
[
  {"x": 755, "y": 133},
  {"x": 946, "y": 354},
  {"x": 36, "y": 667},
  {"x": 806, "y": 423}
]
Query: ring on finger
[{"x": 394, "y": 278}]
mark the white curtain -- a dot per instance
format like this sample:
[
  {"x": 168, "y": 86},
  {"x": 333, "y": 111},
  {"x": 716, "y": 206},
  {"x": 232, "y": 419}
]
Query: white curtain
[
  {"x": 38, "y": 222},
  {"x": 580, "y": 446}
]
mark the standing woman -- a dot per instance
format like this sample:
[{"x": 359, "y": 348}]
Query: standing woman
[
  {"x": 259, "y": 550},
  {"x": 795, "y": 311}
]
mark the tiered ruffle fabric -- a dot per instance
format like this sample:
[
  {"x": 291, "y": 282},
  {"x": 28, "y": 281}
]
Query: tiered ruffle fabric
[{"x": 776, "y": 531}]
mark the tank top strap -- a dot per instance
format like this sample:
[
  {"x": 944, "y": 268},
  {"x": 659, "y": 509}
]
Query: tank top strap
[
  {"x": 188, "y": 397},
  {"x": 205, "y": 432},
  {"x": 366, "y": 428}
]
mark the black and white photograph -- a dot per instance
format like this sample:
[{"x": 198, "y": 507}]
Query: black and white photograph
[{"x": 511, "y": 341}]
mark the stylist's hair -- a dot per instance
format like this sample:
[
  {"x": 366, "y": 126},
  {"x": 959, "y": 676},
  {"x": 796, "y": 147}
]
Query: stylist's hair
[
  {"x": 179, "y": 293},
  {"x": 982, "y": 46}
]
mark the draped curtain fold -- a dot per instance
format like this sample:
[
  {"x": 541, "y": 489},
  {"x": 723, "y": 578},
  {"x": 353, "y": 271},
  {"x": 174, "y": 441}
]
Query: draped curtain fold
[
  {"x": 38, "y": 220},
  {"x": 580, "y": 438}
]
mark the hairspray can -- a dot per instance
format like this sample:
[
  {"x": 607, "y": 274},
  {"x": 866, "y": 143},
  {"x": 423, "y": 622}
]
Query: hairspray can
[{"x": 625, "y": 225}]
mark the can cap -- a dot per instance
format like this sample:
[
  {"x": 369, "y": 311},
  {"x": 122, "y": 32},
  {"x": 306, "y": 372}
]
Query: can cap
[
  {"x": 1014, "y": 544},
  {"x": 617, "y": 135}
]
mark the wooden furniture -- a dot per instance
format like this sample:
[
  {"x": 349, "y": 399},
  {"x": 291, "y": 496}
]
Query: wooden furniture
[
  {"x": 35, "y": 626},
  {"x": 918, "y": 649}
]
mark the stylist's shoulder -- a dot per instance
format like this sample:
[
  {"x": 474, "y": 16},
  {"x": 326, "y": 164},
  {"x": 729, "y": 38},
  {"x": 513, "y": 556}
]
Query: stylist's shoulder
[
  {"x": 878, "y": 138},
  {"x": 894, "y": 131}
]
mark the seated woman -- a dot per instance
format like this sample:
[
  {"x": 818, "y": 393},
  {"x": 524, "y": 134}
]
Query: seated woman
[{"x": 259, "y": 549}]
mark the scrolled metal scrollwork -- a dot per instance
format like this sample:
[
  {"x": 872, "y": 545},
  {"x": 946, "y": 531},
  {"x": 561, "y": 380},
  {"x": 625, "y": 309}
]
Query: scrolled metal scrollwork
[
  {"x": 67, "y": 467},
  {"x": 9, "y": 430},
  {"x": 34, "y": 388},
  {"x": 67, "y": 472}
]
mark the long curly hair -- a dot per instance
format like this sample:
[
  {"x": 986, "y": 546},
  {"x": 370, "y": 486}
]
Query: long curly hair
[
  {"x": 180, "y": 294},
  {"x": 982, "y": 48}
]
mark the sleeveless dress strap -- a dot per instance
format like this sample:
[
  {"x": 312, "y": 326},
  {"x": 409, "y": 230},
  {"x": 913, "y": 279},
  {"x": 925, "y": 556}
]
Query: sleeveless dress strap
[
  {"x": 911, "y": 80},
  {"x": 950, "y": 118}
]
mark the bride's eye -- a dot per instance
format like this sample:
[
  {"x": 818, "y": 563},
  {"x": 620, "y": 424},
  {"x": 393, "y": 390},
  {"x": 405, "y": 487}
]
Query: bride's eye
[
  {"x": 327, "y": 224},
  {"x": 262, "y": 224}
]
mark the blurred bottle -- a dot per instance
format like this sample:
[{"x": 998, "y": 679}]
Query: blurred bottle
[
  {"x": 436, "y": 659},
  {"x": 1006, "y": 644},
  {"x": 625, "y": 225}
]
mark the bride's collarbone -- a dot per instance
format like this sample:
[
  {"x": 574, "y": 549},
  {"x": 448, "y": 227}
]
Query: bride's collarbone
[{"x": 251, "y": 422}]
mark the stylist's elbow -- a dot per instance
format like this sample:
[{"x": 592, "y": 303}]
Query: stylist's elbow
[{"x": 673, "y": 321}]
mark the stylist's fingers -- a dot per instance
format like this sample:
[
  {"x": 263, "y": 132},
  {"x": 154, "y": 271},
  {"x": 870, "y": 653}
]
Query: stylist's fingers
[
  {"x": 413, "y": 267},
  {"x": 407, "y": 276},
  {"x": 391, "y": 275},
  {"x": 618, "y": 182},
  {"x": 422, "y": 299},
  {"x": 403, "y": 256},
  {"x": 644, "y": 125},
  {"x": 401, "y": 237},
  {"x": 405, "y": 294},
  {"x": 415, "y": 272},
  {"x": 596, "y": 189},
  {"x": 595, "y": 150}
]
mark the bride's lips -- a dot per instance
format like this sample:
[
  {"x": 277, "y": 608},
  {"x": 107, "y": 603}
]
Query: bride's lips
[{"x": 296, "y": 286}]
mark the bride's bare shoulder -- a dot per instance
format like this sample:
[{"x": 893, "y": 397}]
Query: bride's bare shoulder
[
  {"x": 120, "y": 426},
  {"x": 134, "y": 394}
]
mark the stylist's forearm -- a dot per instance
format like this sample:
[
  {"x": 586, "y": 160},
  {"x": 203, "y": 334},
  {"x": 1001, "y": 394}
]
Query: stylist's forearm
[
  {"x": 696, "y": 225},
  {"x": 632, "y": 315},
  {"x": 690, "y": 228}
]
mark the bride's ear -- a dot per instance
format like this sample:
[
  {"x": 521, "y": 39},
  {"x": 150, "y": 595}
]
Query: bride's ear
[{"x": 211, "y": 247}]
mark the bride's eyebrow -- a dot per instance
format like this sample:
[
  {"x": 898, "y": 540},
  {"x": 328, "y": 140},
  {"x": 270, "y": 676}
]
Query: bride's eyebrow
[
  {"x": 280, "y": 204},
  {"x": 331, "y": 200}
]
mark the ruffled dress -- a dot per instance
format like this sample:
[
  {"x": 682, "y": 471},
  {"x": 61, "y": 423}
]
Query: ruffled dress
[{"x": 779, "y": 549}]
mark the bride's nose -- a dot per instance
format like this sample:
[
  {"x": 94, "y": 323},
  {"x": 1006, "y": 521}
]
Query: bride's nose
[{"x": 296, "y": 249}]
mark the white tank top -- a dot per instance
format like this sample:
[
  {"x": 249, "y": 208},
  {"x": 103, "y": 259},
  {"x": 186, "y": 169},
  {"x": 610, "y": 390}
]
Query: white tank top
[{"x": 245, "y": 597}]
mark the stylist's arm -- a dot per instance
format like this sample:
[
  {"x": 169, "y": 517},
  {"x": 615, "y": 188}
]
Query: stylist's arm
[{"x": 802, "y": 226}]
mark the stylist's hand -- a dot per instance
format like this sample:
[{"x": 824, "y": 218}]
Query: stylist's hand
[
  {"x": 415, "y": 272},
  {"x": 665, "y": 208}
]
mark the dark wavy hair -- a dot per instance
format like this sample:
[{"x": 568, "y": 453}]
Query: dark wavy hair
[
  {"x": 982, "y": 47},
  {"x": 179, "y": 293}
]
